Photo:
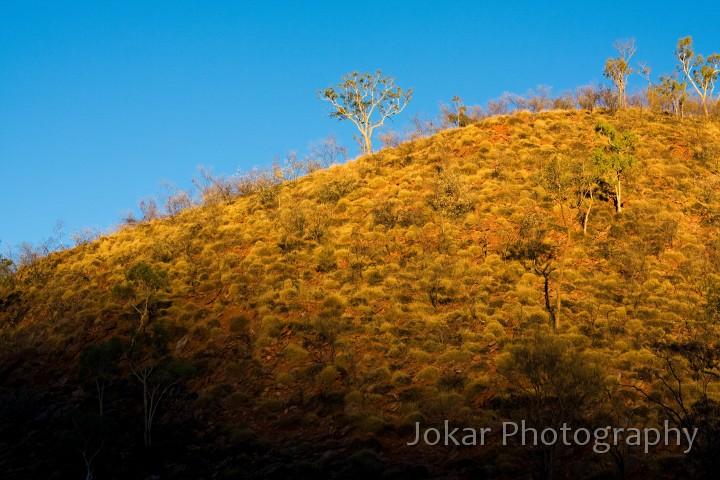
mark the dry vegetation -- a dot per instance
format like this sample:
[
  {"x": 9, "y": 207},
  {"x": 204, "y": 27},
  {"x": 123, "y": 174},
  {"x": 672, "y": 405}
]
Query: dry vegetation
[{"x": 301, "y": 328}]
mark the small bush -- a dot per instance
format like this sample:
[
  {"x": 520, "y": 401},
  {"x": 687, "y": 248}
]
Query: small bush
[
  {"x": 237, "y": 399},
  {"x": 333, "y": 191},
  {"x": 285, "y": 379},
  {"x": 326, "y": 261},
  {"x": 365, "y": 464},
  {"x": 428, "y": 374},
  {"x": 327, "y": 376},
  {"x": 295, "y": 353},
  {"x": 271, "y": 325},
  {"x": 419, "y": 356},
  {"x": 238, "y": 324},
  {"x": 400, "y": 378},
  {"x": 450, "y": 196}
]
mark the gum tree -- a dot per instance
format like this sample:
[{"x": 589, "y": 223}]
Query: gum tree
[
  {"x": 618, "y": 69},
  {"x": 7, "y": 270},
  {"x": 98, "y": 365},
  {"x": 671, "y": 92},
  {"x": 456, "y": 114},
  {"x": 614, "y": 156},
  {"x": 143, "y": 283},
  {"x": 702, "y": 73},
  {"x": 157, "y": 372},
  {"x": 367, "y": 100},
  {"x": 550, "y": 383},
  {"x": 558, "y": 181}
]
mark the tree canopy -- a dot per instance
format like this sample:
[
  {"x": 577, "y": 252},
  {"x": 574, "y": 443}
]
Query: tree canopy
[
  {"x": 615, "y": 156},
  {"x": 702, "y": 73},
  {"x": 367, "y": 100}
]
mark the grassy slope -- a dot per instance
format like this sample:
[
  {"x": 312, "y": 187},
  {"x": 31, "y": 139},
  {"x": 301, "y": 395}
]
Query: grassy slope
[{"x": 352, "y": 308}]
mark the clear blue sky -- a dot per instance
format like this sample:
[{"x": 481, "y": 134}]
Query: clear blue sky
[{"x": 101, "y": 100}]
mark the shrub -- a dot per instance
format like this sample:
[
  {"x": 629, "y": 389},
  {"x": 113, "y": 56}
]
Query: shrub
[
  {"x": 428, "y": 374},
  {"x": 237, "y": 399},
  {"x": 451, "y": 381},
  {"x": 495, "y": 329},
  {"x": 285, "y": 379},
  {"x": 271, "y": 325},
  {"x": 372, "y": 424},
  {"x": 238, "y": 324},
  {"x": 270, "y": 405},
  {"x": 326, "y": 261},
  {"x": 400, "y": 378},
  {"x": 450, "y": 196},
  {"x": 295, "y": 353},
  {"x": 354, "y": 400},
  {"x": 334, "y": 190},
  {"x": 384, "y": 214},
  {"x": 420, "y": 356},
  {"x": 215, "y": 393},
  {"x": 327, "y": 376},
  {"x": 381, "y": 374},
  {"x": 365, "y": 464},
  {"x": 476, "y": 387},
  {"x": 455, "y": 355}
]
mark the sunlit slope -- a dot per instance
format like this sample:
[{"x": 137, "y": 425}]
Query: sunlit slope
[
  {"x": 375, "y": 229},
  {"x": 381, "y": 291}
]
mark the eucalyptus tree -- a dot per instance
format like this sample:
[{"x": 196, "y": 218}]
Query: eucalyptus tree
[
  {"x": 618, "y": 69},
  {"x": 614, "y": 156},
  {"x": 367, "y": 100},
  {"x": 701, "y": 72}
]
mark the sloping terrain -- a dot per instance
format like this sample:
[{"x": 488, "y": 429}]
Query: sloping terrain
[{"x": 305, "y": 329}]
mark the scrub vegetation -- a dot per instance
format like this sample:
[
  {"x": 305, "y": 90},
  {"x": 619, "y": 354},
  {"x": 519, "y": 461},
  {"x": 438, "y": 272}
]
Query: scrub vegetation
[
  {"x": 303, "y": 326},
  {"x": 552, "y": 264}
]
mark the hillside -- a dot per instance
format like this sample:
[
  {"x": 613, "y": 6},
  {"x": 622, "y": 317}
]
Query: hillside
[{"x": 302, "y": 331}]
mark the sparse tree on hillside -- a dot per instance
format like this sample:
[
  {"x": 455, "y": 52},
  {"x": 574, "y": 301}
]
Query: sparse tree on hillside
[
  {"x": 143, "y": 282},
  {"x": 328, "y": 152},
  {"x": 422, "y": 127},
  {"x": 157, "y": 372},
  {"x": 149, "y": 209},
  {"x": 214, "y": 189},
  {"x": 618, "y": 69},
  {"x": 644, "y": 71},
  {"x": 585, "y": 178},
  {"x": 550, "y": 383},
  {"x": 558, "y": 181},
  {"x": 702, "y": 73},
  {"x": 572, "y": 185},
  {"x": 320, "y": 155},
  {"x": 174, "y": 199},
  {"x": 367, "y": 100},
  {"x": 539, "y": 100},
  {"x": 499, "y": 106},
  {"x": 588, "y": 97},
  {"x": 641, "y": 98},
  {"x": 88, "y": 437},
  {"x": 670, "y": 94},
  {"x": 86, "y": 235},
  {"x": 566, "y": 101},
  {"x": 390, "y": 139},
  {"x": 296, "y": 166},
  {"x": 7, "y": 270},
  {"x": 608, "y": 97},
  {"x": 456, "y": 113},
  {"x": 615, "y": 156},
  {"x": 98, "y": 364}
]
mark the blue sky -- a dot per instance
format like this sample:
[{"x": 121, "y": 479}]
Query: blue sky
[{"x": 102, "y": 100}]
